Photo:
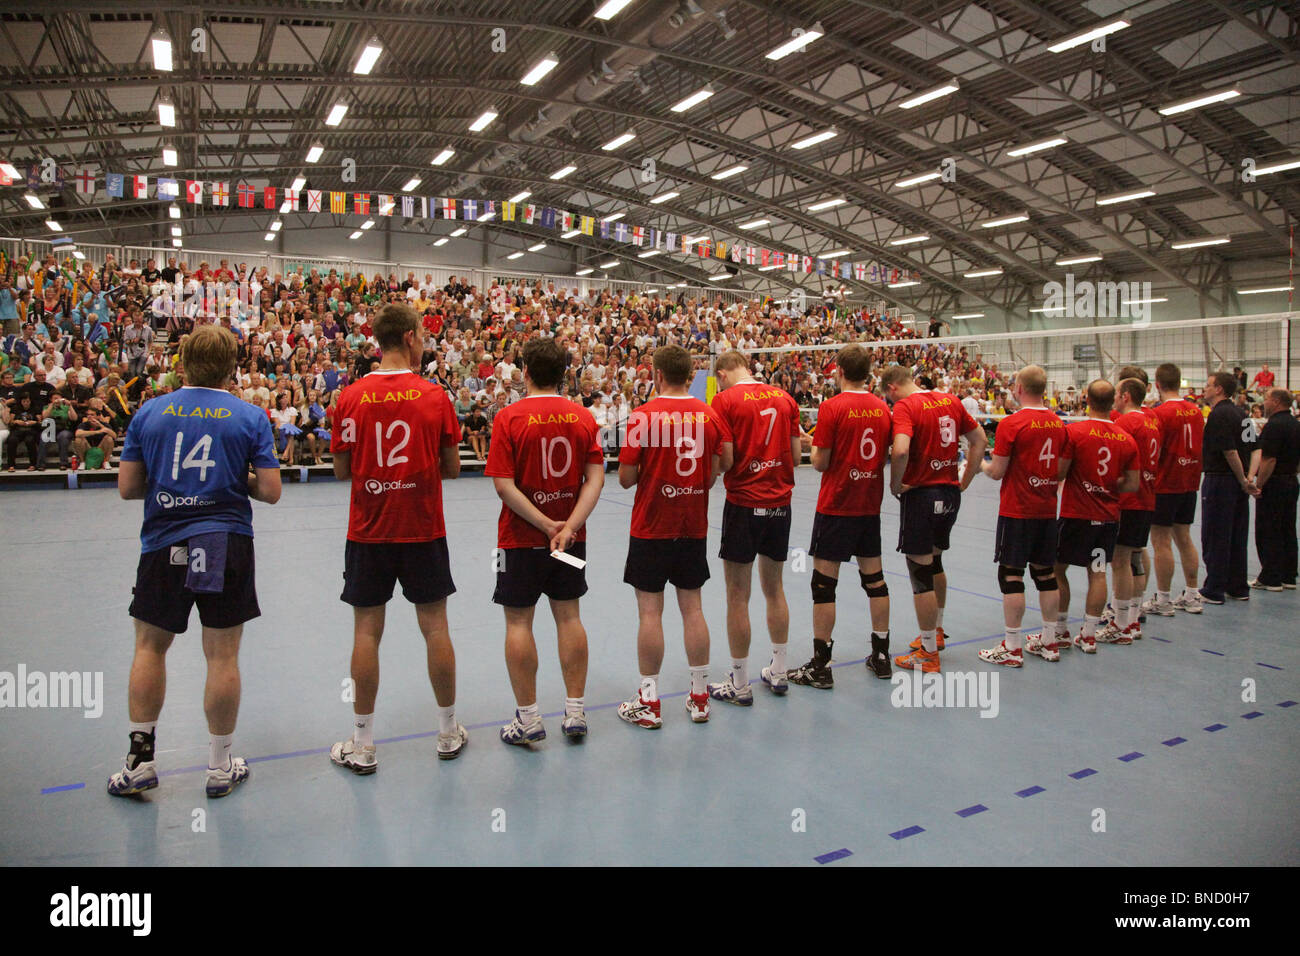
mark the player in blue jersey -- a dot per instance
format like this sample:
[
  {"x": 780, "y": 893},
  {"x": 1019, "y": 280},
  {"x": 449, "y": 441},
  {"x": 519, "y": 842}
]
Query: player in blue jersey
[{"x": 196, "y": 457}]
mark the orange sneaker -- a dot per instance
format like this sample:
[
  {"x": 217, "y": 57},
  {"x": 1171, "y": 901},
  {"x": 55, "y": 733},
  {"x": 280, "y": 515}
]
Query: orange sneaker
[
  {"x": 929, "y": 663},
  {"x": 938, "y": 641}
]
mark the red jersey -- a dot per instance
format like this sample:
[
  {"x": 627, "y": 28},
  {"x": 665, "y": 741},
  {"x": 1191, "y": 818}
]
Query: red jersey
[
  {"x": 673, "y": 439},
  {"x": 1181, "y": 428},
  {"x": 1143, "y": 425},
  {"x": 857, "y": 429},
  {"x": 761, "y": 419},
  {"x": 1034, "y": 440},
  {"x": 394, "y": 423},
  {"x": 544, "y": 443},
  {"x": 934, "y": 420},
  {"x": 1101, "y": 453}
]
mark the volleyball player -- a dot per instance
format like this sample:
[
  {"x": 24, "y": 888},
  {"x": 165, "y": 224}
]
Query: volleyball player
[
  {"x": 1027, "y": 448},
  {"x": 548, "y": 468},
  {"x": 675, "y": 448},
  {"x": 187, "y": 455},
  {"x": 396, "y": 438},
  {"x": 1178, "y": 479},
  {"x": 850, "y": 447},
  {"x": 924, "y": 476},
  {"x": 1140, "y": 559},
  {"x": 1099, "y": 463},
  {"x": 763, "y": 421}
]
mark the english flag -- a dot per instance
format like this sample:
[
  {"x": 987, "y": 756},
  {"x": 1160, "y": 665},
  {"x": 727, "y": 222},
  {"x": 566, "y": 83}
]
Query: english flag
[
  {"x": 291, "y": 198},
  {"x": 85, "y": 182}
]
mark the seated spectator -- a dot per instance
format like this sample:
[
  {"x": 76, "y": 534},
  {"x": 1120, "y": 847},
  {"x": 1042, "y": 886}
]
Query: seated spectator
[
  {"x": 24, "y": 426},
  {"x": 476, "y": 430},
  {"x": 94, "y": 433}
]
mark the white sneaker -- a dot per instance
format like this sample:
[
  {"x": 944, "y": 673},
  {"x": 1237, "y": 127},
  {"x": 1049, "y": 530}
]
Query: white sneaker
[
  {"x": 1048, "y": 652},
  {"x": 221, "y": 782},
  {"x": 1258, "y": 585},
  {"x": 1110, "y": 634},
  {"x": 360, "y": 760},
  {"x": 450, "y": 745},
  {"x": 697, "y": 705},
  {"x": 1188, "y": 603},
  {"x": 641, "y": 712},
  {"x": 1086, "y": 644},
  {"x": 1156, "y": 606},
  {"x": 999, "y": 653},
  {"x": 574, "y": 725},
  {"x": 126, "y": 783},
  {"x": 728, "y": 691},
  {"x": 776, "y": 682}
]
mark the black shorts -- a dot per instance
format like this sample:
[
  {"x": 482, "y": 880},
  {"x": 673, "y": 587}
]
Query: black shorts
[
  {"x": 926, "y": 517},
  {"x": 161, "y": 598},
  {"x": 653, "y": 563},
  {"x": 748, "y": 532},
  {"x": 845, "y": 537},
  {"x": 531, "y": 572},
  {"x": 1080, "y": 542},
  {"x": 371, "y": 569},
  {"x": 1134, "y": 528},
  {"x": 1024, "y": 541},
  {"x": 1177, "y": 508}
]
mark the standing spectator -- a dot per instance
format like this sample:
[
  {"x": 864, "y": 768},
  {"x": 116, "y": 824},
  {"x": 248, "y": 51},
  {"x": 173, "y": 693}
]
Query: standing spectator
[
  {"x": 1273, "y": 471},
  {"x": 136, "y": 342},
  {"x": 1227, "y": 444},
  {"x": 1263, "y": 379}
]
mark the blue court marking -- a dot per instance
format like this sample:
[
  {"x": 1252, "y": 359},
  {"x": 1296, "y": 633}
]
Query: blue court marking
[
  {"x": 1272, "y": 667},
  {"x": 1085, "y": 772},
  {"x": 66, "y": 786},
  {"x": 1030, "y": 791},
  {"x": 1252, "y": 715},
  {"x": 1130, "y": 757},
  {"x": 1215, "y": 728},
  {"x": 1287, "y": 703},
  {"x": 971, "y": 811},
  {"x": 1174, "y": 741},
  {"x": 1162, "y": 640},
  {"x": 832, "y": 856},
  {"x": 905, "y": 833},
  {"x": 1215, "y": 653}
]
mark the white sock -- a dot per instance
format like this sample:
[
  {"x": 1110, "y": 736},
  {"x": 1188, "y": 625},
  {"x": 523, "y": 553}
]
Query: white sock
[
  {"x": 219, "y": 751},
  {"x": 938, "y": 619},
  {"x": 1011, "y": 638},
  {"x": 1090, "y": 625},
  {"x": 778, "y": 659},
  {"x": 1049, "y": 630},
  {"x": 574, "y": 706},
  {"x": 740, "y": 674},
  {"x": 447, "y": 719},
  {"x": 1162, "y": 597},
  {"x": 1062, "y": 623},
  {"x": 363, "y": 730},
  {"x": 700, "y": 680},
  {"x": 143, "y": 727},
  {"x": 930, "y": 641},
  {"x": 650, "y": 688},
  {"x": 1193, "y": 593},
  {"x": 528, "y": 713}
]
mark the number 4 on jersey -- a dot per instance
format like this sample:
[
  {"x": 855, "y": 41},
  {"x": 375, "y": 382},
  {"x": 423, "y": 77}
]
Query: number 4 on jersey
[{"x": 197, "y": 458}]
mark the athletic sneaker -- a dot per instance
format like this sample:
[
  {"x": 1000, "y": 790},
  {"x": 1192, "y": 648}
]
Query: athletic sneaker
[
  {"x": 1156, "y": 606},
  {"x": 777, "y": 682},
  {"x": 1240, "y": 597},
  {"x": 927, "y": 661},
  {"x": 126, "y": 782},
  {"x": 1110, "y": 634},
  {"x": 1048, "y": 652},
  {"x": 221, "y": 782},
  {"x": 729, "y": 692},
  {"x": 999, "y": 653},
  {"x": 1208, "y": 599},
  {"x": 643, "y": 713},
  {"x": 522, "y": 734},
  {"x": 1261, "y": 586},
  {"x": 1190, "y": 604},
  {"x": 1134, "y": 631},
  {"x": 1063, "y": 642},
  {"x": 574, "y": 725},
  {"x": 938, "y": 641},
  {"x": 450, "y": 745},
  {"x": 878, "y": 662},
  {"x": 1086, "y": 644},
  {"x": 1108, "y": 614},
  {"x": 813, "y": 674},
  {"x": 360, "y": 760},
  {"x": 1288, "y": 587},
  {"x": 697, "y": 705}
]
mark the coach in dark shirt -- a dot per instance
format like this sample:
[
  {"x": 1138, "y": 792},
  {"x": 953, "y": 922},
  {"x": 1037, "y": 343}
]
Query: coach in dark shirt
[
  {"x": 1228, "y": 443},
  {"x": 1274, "y": 471}
]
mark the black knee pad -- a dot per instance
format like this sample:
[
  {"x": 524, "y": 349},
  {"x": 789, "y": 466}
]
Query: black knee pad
[
  {"x": 1044, "y": 579},
  {"x": 874, "y": 584},
  {"x": 937, "y": 563},
  {"x": 823, "y": 588},
  {"x": 1135, "y": 563},
  {"x": 1011, "y": 580},
  {"x": 922, "y": 576}
]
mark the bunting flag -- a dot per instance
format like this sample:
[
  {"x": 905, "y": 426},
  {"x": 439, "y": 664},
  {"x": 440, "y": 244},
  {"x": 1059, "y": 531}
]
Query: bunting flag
[
  {"x": 778, "y": 258},
  {"x": 736, "y": 254},
  {"x": 655, "y": 236},
  {"x": 422, "y": 208},
  {"x": 750, "y": 254},
  {"x": 859, "y": 270},
  {"x": 408, "y": 207},
  {"x": 385, "y": 205},
  {"x": 764, "y": 257},
  {"x": 221, "y": 194},
  {"x": 338, "y": 202},
  {"x": 721, "y": 249},
  {"x": 113, "y": 183},
  {"x": 548, "y": 218},
  {"x": 168, "y": 188},
  {"x": 448, "y": 208},
  {"x": 469, "y": 209},
  {"x": 670, "y": 240},
  {"x": 508, "y": 211},
  {"x": 566, "y": 221},
  {"x": 139, "y": 186},
  {"x": 361, "y": 204},
  {"x": 194, "y": 190},
  {"x": 530, "y": 213},
  {"x": 85, "y": 182},
  {"x": 313, "y": 200},
  {"x": 704, "y": 248},
  {"x": 291, "y": 200},
  {"x": 489, "y": 209},
  {"x": 33, "y": 176},
  {"x": 821, "y": 267},
  {"x": 620, "y": 231},
  {"x": 268, "y": 197},
  {"x": 588, "y": 225},
  {"x": 638, "y": 236},
  {"x": 604, "y": 229},
  {"x": 245, "y": 196}
]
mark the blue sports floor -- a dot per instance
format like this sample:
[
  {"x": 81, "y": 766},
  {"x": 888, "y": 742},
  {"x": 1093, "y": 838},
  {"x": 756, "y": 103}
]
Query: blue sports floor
[{"x": 1156, "y": 735}]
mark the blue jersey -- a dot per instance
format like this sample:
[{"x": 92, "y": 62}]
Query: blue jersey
[{"x": 196, "y": 445}]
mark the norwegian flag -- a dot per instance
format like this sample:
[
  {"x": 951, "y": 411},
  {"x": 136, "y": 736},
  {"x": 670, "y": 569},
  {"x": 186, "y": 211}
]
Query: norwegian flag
[
  {"x": 470, "y": 209},
  {"x": 140, "y": 186},
  {"x": 268, "y": 197},
  {"x": 221, "y": 194},
  {"x": 530, "y": 213},
  {"x": 408, "y": 207},
  {"x": 448, "y": 208},
  {"x": 291, "y": 199},
  {"x": 385, "y": 205},
  {"x": 750, "y": 255},
  {"x": 778, "y": 258},
  {"x": 85, "y": 182},
  {"x": 638, "y": 236},
  {"x": 313, "y": 200},
  {"x": 194, "y": 190},
  {"x": 361, "y": 204},
  {"x": 245, "y": 196}
]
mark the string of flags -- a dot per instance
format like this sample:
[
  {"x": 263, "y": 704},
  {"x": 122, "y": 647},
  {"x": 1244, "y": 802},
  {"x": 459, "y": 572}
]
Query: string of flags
[{"x": 288, "y": 199}]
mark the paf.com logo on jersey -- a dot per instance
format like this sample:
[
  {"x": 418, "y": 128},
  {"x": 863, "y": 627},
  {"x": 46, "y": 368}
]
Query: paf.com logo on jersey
[
  {"x": 377, "y": 487},
  {"x": 856, "y": 474},
  {"x": 167, "y": 501}
]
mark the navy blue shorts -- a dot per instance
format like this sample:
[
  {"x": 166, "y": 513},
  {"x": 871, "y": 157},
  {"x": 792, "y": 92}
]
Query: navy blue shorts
[
  {"x": 654, "y": 563},
  {"x": 531, "y": 572},
  {"x": 749, "y": 532},
  {"x": 1024, "y": 541},
  {"x": 1135, "y": 528},
  {"x": 845, "y": 537},
  {"x": 926, "y": 517},
  {"x": 161, "y": 598},
  {"x": 1176, "y": 508},
  {"x": 1081, "y": 542},
  {"x": 370, "y": 571}
]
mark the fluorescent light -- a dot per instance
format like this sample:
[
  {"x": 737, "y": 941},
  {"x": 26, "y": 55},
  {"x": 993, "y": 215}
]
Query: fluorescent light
[
  {"x": 34, "y": 200},
  {"x": 174, "y": 211},
  {"x": 904, "y": 284},
  {"x": 176, "y": 243},
  {"x": 537, "y": 248},
  {"x": 767, "y": 268},
  {"x": 441, "y": 242},
  {"x": 968, "y": 315},
  {"x": 515, "y": 255},
  {"x": 78, "y": 254},
  {"x": 1005, "y": 220},
  {"x": 615, "y": 217},
  {"x": 982, "y": 274},
  {"x": 563, "y": 171},
  {"x": 411, "y": 184},
  {"x": 54, "y": 226},
  {"x": 618, "y": 141},
  {"x": 298, "y": 183},
  {"x": 610, "y": 9},
  {"x": 754, "y": 223},
  {"x": 544, "y": 66},
  {"x": 835, "y": 254},
  {"x": 9, "y": 170},
  {"x": 1087, "y": 36},
  {"x": 920, "y": 99},
  {"x": 609, "y": 265},
  {"x": 368, "y": 224},
  {"x": 1198, "y": 243},
  {"x": 584, "y": 272},
  {"x": 486, "y": 216},
  {"x": 285, "y": 207},
  {"x": 442, "y": 157},
  {"x": 917, "y": 180},
  {"x": 1078, "y": 260},
  {"x": 483, "y": 121},
  {"x": 730, "y": 171},
  {"x": 369, "y": 56},
  {"x": 570, "y": 234},
  {"x": 694, "y": 239},
  {"x": 1204, "y": 99},
  {"x": 459, "y": 232},
  {"x": 648, "y": 291},
  {"x": 176, "y": 231},
  {"x": 718, "y": 277},
  {"x": 648, "y": 253},
  {"x": 169, "y": 156},
  {"x": 1142, "y": 301},
  {"x": 162, "y": 50},
  {"x": 356, "y": 235},
  {"x": 1275, "y": 288},
  {"x": 815, "y": 138},
  {"x": 269, "y": 236},
  {"x": 680, "y": 285},
  {"x": 1126, "y": 195},
  {"x": 1060, "y": 308},
  {"x": 520, "y": 197},
  {"x": 908, "y": 240},
  {"x": 277, "y": 226},
  {"x": 336, "y": 114},
  {"x": 795, "y": 44},
  {"x": 664, "y": 197},
  {"x": 827, "y": 204},
  {"x": 699, "y": 96},
  {"x": 314, "y": 154},
  {"x": 1277, "y": 167},
  {"x": 1042, "y": 144},
  {"x": 166, "y": 113}
]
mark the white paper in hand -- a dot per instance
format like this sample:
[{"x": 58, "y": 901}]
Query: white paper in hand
[{"x": 569, "y": 559}]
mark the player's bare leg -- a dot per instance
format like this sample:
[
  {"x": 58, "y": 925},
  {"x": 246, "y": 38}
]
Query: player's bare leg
[
  {"x": 1162, "y": 545},
  {"x": 739, "y": 581},
  {"x": 441, "y": 659},
  {"x": 1190, "y": 559},
  {"x": 1063, "y": 607},
  {"x": 940, "y": 594},
  {"x": 521, "y": 655},
  {"x": 920, "y": 568},
  {"x": 643, "y": 709},
  {"x": 367, "y": 631},
  {"x": 221, "y": 705},
  {"x": 145, "y": 692},
  {"x": 778, "y": 621},
  {"x": 571, "y": 641},
  {"x": 695, "y": 633}
]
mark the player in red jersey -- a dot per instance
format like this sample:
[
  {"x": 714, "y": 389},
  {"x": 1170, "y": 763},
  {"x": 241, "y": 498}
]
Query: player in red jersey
[
  {"x": 1100, "y": 463},
  {"x": 925, "y": 477},
  {"x": 850, "y": 448},
  {"x": 1135, "y": 513},
  {"x": 1178, "y": 480},
  {"x": 766, "y": 439},
  {"x": 1027, "y": 449},
  {"x": 549, "y": 469},
  {"x": 675, "y": 448},
  {"x": 396, "y": 438}
]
